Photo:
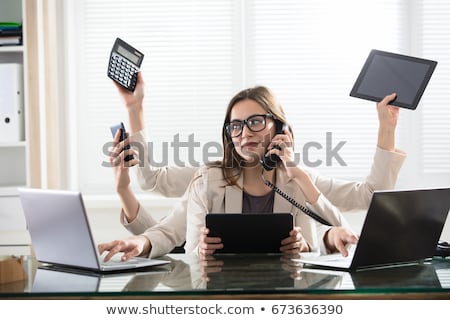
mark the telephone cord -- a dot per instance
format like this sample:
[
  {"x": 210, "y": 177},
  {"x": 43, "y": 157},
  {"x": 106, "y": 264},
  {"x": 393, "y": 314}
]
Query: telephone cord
[{"x": 305, "y": 210}]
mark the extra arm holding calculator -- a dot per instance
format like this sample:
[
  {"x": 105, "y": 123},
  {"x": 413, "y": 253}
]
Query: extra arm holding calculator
[{"x": 154, "y": 239}]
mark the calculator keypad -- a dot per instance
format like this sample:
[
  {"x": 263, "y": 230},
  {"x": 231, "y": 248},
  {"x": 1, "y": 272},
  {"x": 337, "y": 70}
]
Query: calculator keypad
[{"x": 121, "y": 70}]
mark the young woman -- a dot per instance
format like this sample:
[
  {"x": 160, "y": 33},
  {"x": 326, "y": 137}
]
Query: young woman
[{"x": 236, "y": 185}]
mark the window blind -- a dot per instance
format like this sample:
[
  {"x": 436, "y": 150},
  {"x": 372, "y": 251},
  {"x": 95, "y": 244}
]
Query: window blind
[
  {"x": 199, "y": 53},
  {"x": 188, "y": 70},
  {"x": 435, "y": 43},
  {"x": 310, "y": 53}
]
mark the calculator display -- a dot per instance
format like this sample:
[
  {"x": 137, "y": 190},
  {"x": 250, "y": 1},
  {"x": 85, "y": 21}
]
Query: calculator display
[
  {"x": 127, "y": 54},
  {"x": 124, "y": 64}
]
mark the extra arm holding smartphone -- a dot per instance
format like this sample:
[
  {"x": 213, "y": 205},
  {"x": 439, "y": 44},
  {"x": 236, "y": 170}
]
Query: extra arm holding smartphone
[
  {"x": 169, "y": 182},
  {"x": 122, "y": 157}
]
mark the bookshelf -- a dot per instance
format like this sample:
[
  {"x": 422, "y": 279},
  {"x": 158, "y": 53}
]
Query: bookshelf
[{"x": 19, "y": 157}]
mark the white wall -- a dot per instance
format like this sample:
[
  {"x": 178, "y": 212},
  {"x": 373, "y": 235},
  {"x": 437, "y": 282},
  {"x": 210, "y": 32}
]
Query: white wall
[{"x": 105, "y": 223}]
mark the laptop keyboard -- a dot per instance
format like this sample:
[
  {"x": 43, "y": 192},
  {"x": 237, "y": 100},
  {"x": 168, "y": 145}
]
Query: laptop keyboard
[
  {"x": 334, "y": 257},
  {"x": 116, "y": 261}
]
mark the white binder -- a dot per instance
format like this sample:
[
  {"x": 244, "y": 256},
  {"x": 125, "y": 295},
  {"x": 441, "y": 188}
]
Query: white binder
[{"x": 11, "y": 103}]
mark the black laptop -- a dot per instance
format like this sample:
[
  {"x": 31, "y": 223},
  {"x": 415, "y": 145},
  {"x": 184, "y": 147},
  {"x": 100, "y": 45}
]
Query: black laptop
[{"x": 400, "y": 227}]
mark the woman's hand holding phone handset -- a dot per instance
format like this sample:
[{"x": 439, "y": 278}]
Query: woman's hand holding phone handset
[
  {"x": 285, "y": 151},
  {"x": 282, "y": 145}
]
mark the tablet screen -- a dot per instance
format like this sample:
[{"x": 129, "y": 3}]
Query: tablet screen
[
  {"x": 250, "y": 233},
  {"x": 384, "y": 73}
]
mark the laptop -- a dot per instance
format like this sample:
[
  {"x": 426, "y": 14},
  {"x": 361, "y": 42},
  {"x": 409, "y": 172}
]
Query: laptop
[
  {"x": 51, "y": 279},
  {"x": 404, "y": 276},
  {"x": 400, "y": 227},
  {"x": 250, "y": 232},
  {"x": 61, "y": 235},
  {"x": 46, "y": 280}
]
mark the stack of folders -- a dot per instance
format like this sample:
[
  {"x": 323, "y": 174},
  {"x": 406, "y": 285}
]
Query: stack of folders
[{"x": 10, "y": 33}]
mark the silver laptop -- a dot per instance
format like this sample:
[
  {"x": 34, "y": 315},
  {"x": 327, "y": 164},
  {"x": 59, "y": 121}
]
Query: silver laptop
[
  {"x": 400, "y": 227},
  {"x": 54, "y": 279},
  {"x": 61, "y": 235}
]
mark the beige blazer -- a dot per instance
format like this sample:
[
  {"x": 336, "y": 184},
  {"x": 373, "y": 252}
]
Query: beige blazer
[{"x": 209, "y": 194}]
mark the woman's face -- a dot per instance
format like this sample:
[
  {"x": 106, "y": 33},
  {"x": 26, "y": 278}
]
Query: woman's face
[{"x": 250, "y": 145}]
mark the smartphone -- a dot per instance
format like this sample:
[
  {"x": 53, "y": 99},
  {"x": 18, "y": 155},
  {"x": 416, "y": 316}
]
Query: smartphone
[
  {"x": 124, "y": 64},
  {"x": 123, "y": 136},
  {"x": 270, "y": 162}
]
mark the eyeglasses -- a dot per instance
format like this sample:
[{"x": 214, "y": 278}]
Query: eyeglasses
[{"x": 255, "y": 123}]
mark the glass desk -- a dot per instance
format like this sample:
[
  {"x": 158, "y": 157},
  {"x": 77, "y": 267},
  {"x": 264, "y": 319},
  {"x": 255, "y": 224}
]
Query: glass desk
[{"x": 234, "y": 277}]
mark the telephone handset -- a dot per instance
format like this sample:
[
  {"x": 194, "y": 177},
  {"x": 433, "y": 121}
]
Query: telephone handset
[{"x": 270, "y": 162}]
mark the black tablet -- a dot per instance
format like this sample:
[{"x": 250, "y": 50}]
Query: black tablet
[
  {"x": 250, "y": 233},
  {"x": 384, "y": 73}
]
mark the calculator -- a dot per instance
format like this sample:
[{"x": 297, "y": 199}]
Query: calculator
[{"x": 124, "y": 63}]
